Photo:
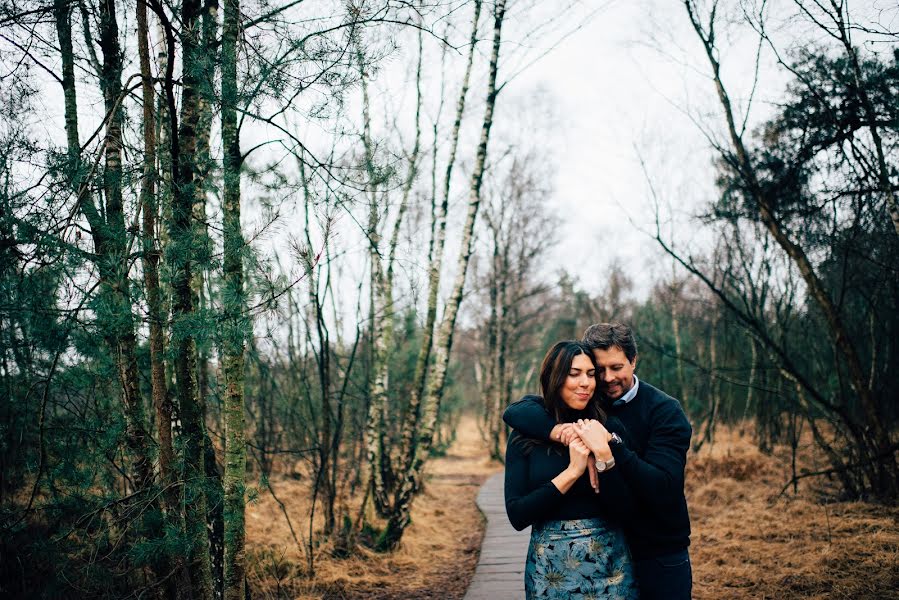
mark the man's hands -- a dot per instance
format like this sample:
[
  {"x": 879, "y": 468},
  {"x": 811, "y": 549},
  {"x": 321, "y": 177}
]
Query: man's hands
[{"x": 596, "y": 437}]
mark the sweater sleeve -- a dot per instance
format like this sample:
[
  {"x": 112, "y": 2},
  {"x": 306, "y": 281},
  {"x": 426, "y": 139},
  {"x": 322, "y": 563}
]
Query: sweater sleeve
[
  {"x": 523, "y": 505},
  {"x": 530, "y": 417},
  {"x": 657, "y": 478},
  {"x": 615, "y": 495}
]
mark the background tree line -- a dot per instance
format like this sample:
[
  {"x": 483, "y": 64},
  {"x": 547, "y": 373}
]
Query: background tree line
[{"x": 785, "y": 320}]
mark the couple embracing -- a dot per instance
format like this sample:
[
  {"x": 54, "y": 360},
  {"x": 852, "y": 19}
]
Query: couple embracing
[{"x": 596, "y": 467}]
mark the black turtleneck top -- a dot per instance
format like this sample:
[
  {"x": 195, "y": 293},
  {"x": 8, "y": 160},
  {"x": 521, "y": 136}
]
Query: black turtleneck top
[{"x": 531, "y": 497}]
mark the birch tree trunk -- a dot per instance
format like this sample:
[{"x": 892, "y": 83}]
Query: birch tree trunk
[
  {"x": 438, "y": 241},
  {"x": 753, "y": 370},
  {"x": 384, "y": 464},
  {"x": 675, "y": 291},
  {"x": 382, "y": 327},
  {"x": 400, "y": 518},
  {"x": 203, "y": 160}
]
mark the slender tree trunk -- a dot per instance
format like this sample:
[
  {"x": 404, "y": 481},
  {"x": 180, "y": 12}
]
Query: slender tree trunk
[
  {"x": 151, "y": 255},
  {"x": 438, "y": 241},
  {"x": 399, "y": 520},
  {"x": 753, "y": 370},
  {"x": 114, "y": 254},
  {"x": 489, "y": 389},
  {"x": 398, "y": 458},
  {"x": 327, "y": 433},
  {"x": 62, "y": 14},
  {"x": 182, "y": 261},
  {"x": 382, "y": 326},
  {"x": 675, "y": 290},
  {"x": 235, "y": 326},
  {"x": 501, "y": 393},
  {"x": 325, "y": 472},
  {"x": 384, "y": 463},
  {"x": 203, "y": 161},
  {"x": 714, "y": 395},
  {"x": 413, "y": 169},
  {"x": 206, "y": 67}
]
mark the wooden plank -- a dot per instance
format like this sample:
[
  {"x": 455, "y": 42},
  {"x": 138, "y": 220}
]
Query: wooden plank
[{"x": 500, "y": 571}]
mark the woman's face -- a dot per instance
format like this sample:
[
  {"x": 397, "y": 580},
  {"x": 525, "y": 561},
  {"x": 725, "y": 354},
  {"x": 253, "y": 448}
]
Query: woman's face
[{"x": 580, "y": 383}]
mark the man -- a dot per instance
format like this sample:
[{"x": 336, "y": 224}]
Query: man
[{"x": 649, "y": 438}]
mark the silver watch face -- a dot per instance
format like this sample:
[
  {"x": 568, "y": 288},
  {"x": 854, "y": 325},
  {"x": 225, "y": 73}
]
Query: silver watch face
[{"x": 601, "y": 466}]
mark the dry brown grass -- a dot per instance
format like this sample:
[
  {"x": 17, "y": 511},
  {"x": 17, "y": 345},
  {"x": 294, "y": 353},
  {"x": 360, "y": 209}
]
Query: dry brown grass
[
  {"x": 437, "y": 555},
  {"x": 749, "y": 541}
]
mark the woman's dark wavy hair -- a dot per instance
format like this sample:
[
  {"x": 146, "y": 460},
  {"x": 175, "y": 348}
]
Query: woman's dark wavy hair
[{"x": 554, "y": 372}]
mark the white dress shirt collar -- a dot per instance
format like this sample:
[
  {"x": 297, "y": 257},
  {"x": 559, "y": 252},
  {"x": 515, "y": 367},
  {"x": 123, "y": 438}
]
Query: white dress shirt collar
[{"x": 629, "y": 395}]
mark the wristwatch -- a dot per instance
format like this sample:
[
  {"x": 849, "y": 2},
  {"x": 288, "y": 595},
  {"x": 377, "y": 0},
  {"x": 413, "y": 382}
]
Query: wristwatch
[{"x": 604, "y": 465}]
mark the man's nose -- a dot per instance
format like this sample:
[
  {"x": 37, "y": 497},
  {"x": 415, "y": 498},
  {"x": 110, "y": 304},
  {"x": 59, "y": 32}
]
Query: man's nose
[{"x": 608, "y": 376}]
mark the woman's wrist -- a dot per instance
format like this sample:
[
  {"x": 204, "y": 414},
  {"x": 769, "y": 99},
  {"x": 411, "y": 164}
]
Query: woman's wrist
[
  {"x": 564, "y": 480},
  {"x": 603, "y": 453},
  {"x": 575, "y": 472}
]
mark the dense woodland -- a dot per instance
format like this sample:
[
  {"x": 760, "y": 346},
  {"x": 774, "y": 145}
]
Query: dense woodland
[{"x": 247, "y": 241}]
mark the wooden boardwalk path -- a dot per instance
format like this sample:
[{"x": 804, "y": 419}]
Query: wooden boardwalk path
[{"x": 500, "y": 571}]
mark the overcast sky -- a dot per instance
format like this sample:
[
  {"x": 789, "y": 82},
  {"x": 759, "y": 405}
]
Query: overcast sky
[{"x": 623, "y": 85}]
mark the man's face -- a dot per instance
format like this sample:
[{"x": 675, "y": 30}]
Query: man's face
[{"x": 614, "y": 372}]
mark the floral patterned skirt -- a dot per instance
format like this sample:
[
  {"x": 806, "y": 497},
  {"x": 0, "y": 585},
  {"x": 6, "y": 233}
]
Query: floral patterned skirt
[{"x": 580, "y": 559}]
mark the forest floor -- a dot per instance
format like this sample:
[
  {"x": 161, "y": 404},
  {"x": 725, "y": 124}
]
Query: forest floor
[
  {"x": 752, "y": 541},
  {"x": 749, "y": 539},
  {"x": 437, "y": 555}
]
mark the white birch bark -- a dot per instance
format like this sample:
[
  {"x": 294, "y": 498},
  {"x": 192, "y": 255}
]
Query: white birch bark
[{"x": 400, "y": 518}]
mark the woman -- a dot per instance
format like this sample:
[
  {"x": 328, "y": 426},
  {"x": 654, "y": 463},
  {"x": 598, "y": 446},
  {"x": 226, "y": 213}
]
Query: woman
[{"x": 576, "y": 550}]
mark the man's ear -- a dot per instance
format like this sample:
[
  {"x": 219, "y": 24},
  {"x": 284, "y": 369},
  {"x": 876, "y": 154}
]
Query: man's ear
[{"x": 634, "y": 362}]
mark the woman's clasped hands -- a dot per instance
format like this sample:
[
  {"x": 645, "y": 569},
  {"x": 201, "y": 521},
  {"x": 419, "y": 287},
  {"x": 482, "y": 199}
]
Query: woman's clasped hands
[
  {"x": 578, "y": 455},
  {"x": 587, "y": 439}
]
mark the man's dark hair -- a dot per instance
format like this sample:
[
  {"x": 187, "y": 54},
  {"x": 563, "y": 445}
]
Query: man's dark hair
[{"x": 609, "y": 335}]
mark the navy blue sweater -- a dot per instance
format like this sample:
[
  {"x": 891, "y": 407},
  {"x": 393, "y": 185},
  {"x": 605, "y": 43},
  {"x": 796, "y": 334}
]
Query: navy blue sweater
[{"x": 650, "y": 465}]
